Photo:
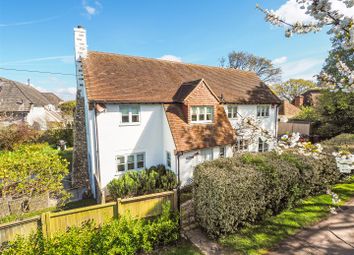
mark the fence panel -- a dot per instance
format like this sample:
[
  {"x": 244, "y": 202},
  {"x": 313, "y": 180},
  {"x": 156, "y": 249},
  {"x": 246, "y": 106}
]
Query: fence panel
[
  {"x": 8, "y": 231},
  {"x": 148, "y": 205},
  {"x": 290, "y": 127}
]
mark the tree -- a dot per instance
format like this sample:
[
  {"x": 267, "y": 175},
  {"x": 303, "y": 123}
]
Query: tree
[
  {"x": 336, "y": 111},
  {"x": 68, "y": 108},
  {"x": 30, "y": 170},
  {"x": 263, "y": 67},
  {"x": 294, "y": 87},
  {"x": 341, "y": 28}
]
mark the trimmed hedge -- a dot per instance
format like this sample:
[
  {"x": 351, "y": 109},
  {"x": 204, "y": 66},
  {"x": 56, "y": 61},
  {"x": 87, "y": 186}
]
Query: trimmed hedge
[
  {"x": 232, "y": 192},
  {"x": 137, "y": 183},
  {"x": 123, "y": 236}
]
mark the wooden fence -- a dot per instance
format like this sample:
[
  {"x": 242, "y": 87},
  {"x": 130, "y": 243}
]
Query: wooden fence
[
  {"x": 56, "y": 222},
  {"x": 294, "y": 127}
]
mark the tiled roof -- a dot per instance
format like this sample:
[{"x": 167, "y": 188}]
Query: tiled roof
[
  {"x": 288, "y": 109},
  {"x": 197, "y": 136},
  {"x": 15, "y": 96},
  {"x": 126, "y": 79},
  {"x": 52, "y": 98}
]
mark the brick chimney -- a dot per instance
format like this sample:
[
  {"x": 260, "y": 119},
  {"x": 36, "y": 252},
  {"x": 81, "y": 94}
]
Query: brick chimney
[{"x": 299, "y": 101}]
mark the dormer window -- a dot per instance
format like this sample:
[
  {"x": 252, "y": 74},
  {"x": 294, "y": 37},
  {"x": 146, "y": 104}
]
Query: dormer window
[{"x": 201, "y": 114}]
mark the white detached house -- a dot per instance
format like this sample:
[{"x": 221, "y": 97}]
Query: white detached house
[{"x": 142, "y": 112}]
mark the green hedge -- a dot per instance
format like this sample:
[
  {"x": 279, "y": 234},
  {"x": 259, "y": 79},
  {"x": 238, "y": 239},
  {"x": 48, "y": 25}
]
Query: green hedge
[
  {"x": 123, "y": 236},
  {"x": 137, "y": 183},
  {"x": 232, "y": 192},
  {"x": 340, "y": 142}
]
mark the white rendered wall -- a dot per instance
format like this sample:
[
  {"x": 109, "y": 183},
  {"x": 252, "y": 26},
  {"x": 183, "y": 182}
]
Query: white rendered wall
[
  {"x": 168, "y": 144},
  {"x": 37, "y": 115},
  {"x": 189, "y": 160},
  {"x": 117, "y": 139},
  {"x": 268, "y": 123}
]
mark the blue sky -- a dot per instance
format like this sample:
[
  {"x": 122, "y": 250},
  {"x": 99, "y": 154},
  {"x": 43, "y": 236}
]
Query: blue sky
[{"x": 38, "y": 35}]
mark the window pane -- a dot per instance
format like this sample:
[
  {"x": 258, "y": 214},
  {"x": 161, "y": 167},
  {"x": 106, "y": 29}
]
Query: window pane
[
  {"x": 134, "y": 109},
  {"x": 194, "y": 110},
  {"x": 222, "y": 152},
  {"x": 234, "y": 112},
  {"x": 259, "y": 111},
  {"x": 120, "y": 160},
  {"x": 140, "y": 160},
  {"x": 210, "y": 110},
  {"x": 125, "y": 118},
  {"x": 135, "y": 118},
  {"x": 124, "y": 109},
  {"x": 130, "y": 161},
  {"x": 168, "y": 161},
  {"x": 194, "y": 117},
  {"x": 267, "y": 111},
  {"x": 121, "y": 168},
  {"x": 120, "y": 163}
]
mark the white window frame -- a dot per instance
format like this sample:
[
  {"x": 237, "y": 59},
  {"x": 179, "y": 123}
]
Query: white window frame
[
  {"x": 263, "y": 146},
  {"x": 130, "y": 114},
  {"x": 168, "y": 159},
  {"x": 203, "y": 154},
  {"x": 242, "y": 145},
  {"x": 202, "y": 111},
  {"x": 222, "y": 152},
  {"x": 135, "y": 162},
  {"x": 232, "y": 111},
  {"x": 263, "y": 111}
]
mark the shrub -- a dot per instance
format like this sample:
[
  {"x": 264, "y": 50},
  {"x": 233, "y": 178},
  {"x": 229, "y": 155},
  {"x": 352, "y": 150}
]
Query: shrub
[
  {"x": 232, "y": 192},
  {"x": 136, "y": 183},
  {"x": 123, "y": 236},
  {"x": 340, "y": 142},
  {"x": 52, "y": 136},
  {"x": 32, "y": 169},
  {"x": 17, "y": 134}
]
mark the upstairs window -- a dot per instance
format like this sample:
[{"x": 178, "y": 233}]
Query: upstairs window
[
  {"x": 222, "y": 152},
  {"x": 130, "y": 162},
  {"x": 242, "y": 145},
  {"x": 232, "y": 111},
  {"x": 130, "y": 114},
  {"x": 262, "y": 145},
  {"x": 200, "y": 114},
  {"x": 168, "y": 159},
  {"x": 263, "y": 111}
]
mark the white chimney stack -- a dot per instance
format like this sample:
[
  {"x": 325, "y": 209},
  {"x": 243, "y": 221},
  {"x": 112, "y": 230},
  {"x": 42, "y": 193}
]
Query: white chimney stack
[{"x": 80, "y": 43}]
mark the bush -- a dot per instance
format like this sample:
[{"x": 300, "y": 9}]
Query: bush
[
  {"x": 137, "y": 183},
  {"x": 233, "y": 192},
  {"x": 123, "y": 236},
  {"x": 32, "y": 169},
  {"x": 340, "y": 142},
  {"x": 52, "y": 136},
  {"x": 17, "y": 134}
]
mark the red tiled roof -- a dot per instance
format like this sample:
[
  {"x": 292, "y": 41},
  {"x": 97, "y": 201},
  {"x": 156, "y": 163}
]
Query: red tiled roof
[{"x": 126, "y": 79}]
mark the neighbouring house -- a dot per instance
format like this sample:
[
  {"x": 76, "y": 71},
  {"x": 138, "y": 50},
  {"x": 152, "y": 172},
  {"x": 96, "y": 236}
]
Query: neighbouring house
[
  {"x": 138, "y": 112},
  {"x": 287, "y": 111},
  {"x": 309, "y": 98},
  {"x": 21, "y": 103}
]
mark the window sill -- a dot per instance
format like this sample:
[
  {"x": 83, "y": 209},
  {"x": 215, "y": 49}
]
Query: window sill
[
  {"x": 201, "y": 122},
  {"x": 129, "y": 124}
]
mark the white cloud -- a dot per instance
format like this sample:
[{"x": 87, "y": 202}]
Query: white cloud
[
  {"x": 291, "y": 11},
  {"x": 64, "y": 59},
  {"x": 280, "y": 60},
  {"x": 171, "y": 58},
  {"x": 91, "y": 9},
  {"x": 66, "y": 93},
  {"x": 304, "y": 68}
]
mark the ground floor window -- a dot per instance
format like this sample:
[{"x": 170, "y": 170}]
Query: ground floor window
[
  {"x": 206, "y": 154},
  {"x": 262, "y": 145},
  {"x": 242, "y": 145},
  {"x": 222, "y": 152},
  {"x": 130, "y": 161},
  {"x": 168, "y": 159}
]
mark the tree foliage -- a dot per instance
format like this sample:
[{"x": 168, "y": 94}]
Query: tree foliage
[
  {"x": 32, "y": 169},
  {"x": 263, "y": 67},
  {"x": 294, "y": 87},
  {"x": 68, "y": 108},
  {"x": 308, "y": 113},
  {"x": 17, "y": 134}
]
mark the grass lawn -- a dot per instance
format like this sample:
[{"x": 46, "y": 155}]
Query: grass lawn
[
  {"x": 181, "y": 248},
  {"x": 256, "y": 239}
]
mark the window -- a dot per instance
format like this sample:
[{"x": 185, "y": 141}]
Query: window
[
  {"x": 130, "y": 162},
  {"x": 130, "y": 113},
  {"x": 232, "y": 111},
  {"x": 168, "y": 159},
  {"x": 222, "y": 152},
  {"x": 242, "y": 145},
  {"x": 262, "y": 145},
  {"x": 263, "y": 111},
  {"x": 120, "y": 163},
  {"x": 206, "y": 154},
  {"x": 202, "y": 114}
]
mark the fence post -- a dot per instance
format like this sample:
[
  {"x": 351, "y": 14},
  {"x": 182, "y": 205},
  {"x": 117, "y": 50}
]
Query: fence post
[
  {"x": 45, "y": 221},
  {"x": 175, "y": 200},
  {"x": 119, "y": 206}
]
